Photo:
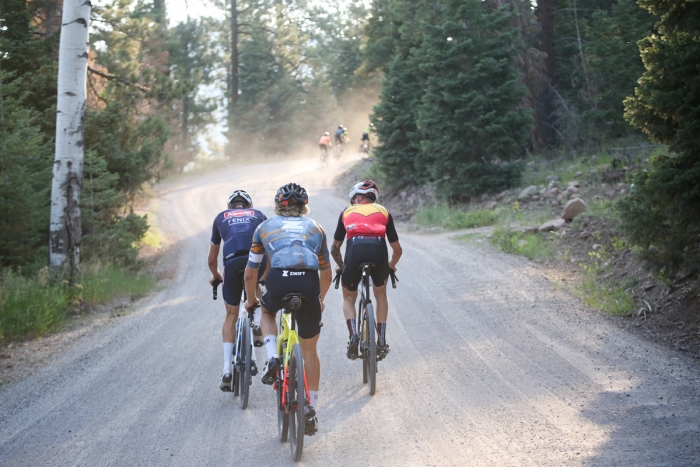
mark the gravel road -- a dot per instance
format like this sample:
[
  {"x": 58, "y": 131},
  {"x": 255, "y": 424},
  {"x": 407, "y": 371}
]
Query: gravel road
[{"x": 491, "y": 365}]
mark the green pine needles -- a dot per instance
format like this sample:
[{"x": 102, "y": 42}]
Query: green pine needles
[{"x": 452, "y": 108}]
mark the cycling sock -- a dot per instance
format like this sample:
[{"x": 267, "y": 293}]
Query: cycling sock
[
  {"x": 258, "y": 314},
  {"x": 271, "y": 346},
  {"x": 228, "y": 352},
  {"x": 351, "y": 326},
  {"x": 381, "y": 328},
  {"x": 313, "y": 400}
]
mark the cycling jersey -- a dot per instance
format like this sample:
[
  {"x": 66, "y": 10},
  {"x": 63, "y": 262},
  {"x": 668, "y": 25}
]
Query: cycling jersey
[
  {"x": 324, "y": 141},
  {"x": 290, "y": 243},
  {"x": 366, "y": 219},
  {"x": 236, "y": 227}
]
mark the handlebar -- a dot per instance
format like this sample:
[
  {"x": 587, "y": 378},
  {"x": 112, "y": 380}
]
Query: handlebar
[
  {"x": 337, "y": 280},
  {"x": 214, "y": 287},
  {"x": 394, "y": 279}
]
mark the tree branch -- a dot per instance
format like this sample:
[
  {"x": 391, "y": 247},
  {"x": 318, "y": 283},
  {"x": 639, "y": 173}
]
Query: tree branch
[{"x": 120, "y": 80}]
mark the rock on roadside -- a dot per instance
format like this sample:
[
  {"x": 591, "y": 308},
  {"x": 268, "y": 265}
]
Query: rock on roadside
[
  {"x": 573, "y": 208},
  {"x": 553, "y": 225}
]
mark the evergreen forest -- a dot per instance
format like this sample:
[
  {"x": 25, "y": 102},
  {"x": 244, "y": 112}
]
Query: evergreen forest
[{"x": 465, "y": 92}]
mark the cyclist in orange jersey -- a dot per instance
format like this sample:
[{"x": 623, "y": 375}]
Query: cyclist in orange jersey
[{"x": 368, "y": 226}]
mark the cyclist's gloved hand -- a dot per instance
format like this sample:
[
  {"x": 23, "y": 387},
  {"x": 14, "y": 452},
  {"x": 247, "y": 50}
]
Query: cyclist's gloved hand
[
  {"x": 215, "y": 279},
  {"x": 250, "y": 305}
]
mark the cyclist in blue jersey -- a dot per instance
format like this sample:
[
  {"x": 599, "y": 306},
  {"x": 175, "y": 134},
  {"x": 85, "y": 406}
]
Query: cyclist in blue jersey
[
  {"x": 299, "y": 263},
  {"x": 235, "y": 226}
]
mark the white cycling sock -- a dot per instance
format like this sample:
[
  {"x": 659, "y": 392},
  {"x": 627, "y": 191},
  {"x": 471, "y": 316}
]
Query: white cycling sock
[
  {"x": 258, "y": 314},
  {"x": 228, "y": 353},
  {"x": 271, "y": 346},
  {"x": 313, "y": 399}
]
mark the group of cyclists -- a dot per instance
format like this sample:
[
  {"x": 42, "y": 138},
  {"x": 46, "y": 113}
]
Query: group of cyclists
[
  {"x": 342, "y": 139},
  {"x": 290, "y": 252}
]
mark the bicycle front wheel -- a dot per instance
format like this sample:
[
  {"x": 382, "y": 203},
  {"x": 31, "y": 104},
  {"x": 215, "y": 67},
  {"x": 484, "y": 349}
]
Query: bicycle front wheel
[
  {"x": 297, "y": 397},
  {"x": 369, "y": 360},
  {"x": 246, "y": 357}
]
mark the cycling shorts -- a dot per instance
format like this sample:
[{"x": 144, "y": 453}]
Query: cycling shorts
[
  {"x": 324, "y": 147},
  {"x": 234, "y": 270},
  {"x": 280, "y": 282},
  {"x": 365, "y": 249}
]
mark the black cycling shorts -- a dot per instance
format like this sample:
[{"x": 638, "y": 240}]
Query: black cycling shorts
[
  {"x": 280, "y": 282},
  {"x": 365, "y": 249},
  {"x": 234, "y": 269}
]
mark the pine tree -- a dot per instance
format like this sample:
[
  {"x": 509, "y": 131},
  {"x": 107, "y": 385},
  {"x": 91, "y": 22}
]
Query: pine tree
[
  {"x": 400, "y": 155},
  {"x": 471, "y": 114},
  {"x": 663, "y": 214}
]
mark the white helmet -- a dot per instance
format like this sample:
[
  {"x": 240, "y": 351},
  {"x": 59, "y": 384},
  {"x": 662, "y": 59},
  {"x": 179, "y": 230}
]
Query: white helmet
[
  {"x": 363, "y": 188},
  {"x": 242, "y": 195}
]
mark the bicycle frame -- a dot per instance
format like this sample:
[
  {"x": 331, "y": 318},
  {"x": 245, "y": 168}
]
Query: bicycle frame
[{"x": 285, "y": 342}]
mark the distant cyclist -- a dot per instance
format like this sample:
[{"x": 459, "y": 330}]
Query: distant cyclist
[
  {"x": 366, "y": 144},
  {"x": 366, "y": 225},
  {"x": 324, "y": 143},
  {"x": 235, "y": 226},
  {"x": 299, "y": 263},
  {"x": 340, "y": 136}
]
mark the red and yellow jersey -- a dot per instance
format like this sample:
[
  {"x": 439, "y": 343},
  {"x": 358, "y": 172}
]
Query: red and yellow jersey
[
  {"x": 324, "y": 140},
  {"x": 366, "y": 219}
]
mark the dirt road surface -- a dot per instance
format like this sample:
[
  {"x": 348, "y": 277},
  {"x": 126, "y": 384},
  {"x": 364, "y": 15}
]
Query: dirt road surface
[{"x": 491, "y": 365}]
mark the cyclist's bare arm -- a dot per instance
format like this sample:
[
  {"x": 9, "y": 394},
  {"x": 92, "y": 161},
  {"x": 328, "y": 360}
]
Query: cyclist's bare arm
[
  {"x": 325, "y": 279},
  {"x": 213, "y": 265},
  {"x": 396, "y": 252},
  {"x": 335, "y": 253},
  {"x": 251, "y": 282}
]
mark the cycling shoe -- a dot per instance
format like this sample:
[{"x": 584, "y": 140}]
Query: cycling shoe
[
  {"x": 352, "y": 347},
  {"x": 270, "y": 370}
]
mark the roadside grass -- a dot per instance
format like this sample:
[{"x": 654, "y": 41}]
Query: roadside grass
[
  {"x": 453, "y": 219},
  {"x": 536, "y": 246},
  {"x": 103, "y": 282},
  {"x": 600, "y": 292},
  {"x": 537, "y": 173},
  {"x": 32, "y": 306}
]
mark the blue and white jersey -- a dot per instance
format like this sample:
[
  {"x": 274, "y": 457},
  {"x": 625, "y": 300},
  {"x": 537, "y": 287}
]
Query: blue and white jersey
[
  {"x": 236, "y": 227},
  {"x": 291, "y": 243}
]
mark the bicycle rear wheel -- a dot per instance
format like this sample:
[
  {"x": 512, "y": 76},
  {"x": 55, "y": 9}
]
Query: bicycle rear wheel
[
  {"x": 246, "y": 357},
  {"x": 369, "y": 359},
  {"x": 282, "y": 415},
  {"x": 297, "y": 397}
]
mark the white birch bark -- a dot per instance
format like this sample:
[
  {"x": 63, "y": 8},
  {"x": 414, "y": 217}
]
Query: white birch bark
[{"x": 65, "y": 228}]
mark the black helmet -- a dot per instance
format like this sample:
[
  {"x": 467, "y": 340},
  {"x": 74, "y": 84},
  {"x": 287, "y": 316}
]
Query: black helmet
[{"x": 291, "y": 193}]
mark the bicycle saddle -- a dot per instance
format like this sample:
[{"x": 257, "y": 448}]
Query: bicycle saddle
[
  {"x": 369, "y": 265},
  {"x": 294, "y": 300}
]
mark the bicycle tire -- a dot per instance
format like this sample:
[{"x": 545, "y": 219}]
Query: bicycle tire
[
  {"x": 364, "y": 345},
  {"x": 297, "y": 393},
  {"x": 371, "y": 356},
  {"x": 246, "y": 357},
  {"x": 282, "y": 415}
]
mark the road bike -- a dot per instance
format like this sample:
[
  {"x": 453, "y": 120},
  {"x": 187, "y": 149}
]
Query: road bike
[
  {"x": 367, "y": 326},
  {"x": 365, "y": 149},
  {"x": 244, "y": 363},
  {"x": 290, "y": 383},
  {"x": 340, "y": 150},
  {"x": 324, "y": 156}
]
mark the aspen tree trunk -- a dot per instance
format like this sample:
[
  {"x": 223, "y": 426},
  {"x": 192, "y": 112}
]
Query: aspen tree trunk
[{"x": 65, "y": 228}]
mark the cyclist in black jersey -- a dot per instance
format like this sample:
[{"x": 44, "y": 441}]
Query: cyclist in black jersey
[{"x": 235, "y": 226}]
